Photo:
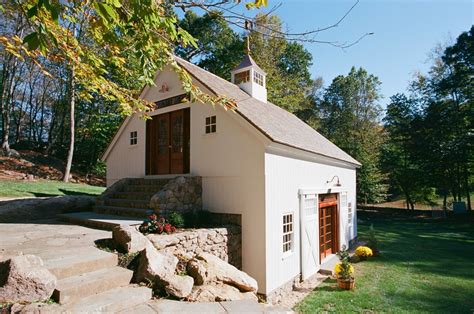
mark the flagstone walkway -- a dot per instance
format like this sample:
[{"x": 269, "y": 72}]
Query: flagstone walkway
[{"x": 68, "y": 251}]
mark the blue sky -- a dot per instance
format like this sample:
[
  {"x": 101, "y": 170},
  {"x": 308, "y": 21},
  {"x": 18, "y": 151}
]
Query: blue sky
[{"x": 405, "y": 32}]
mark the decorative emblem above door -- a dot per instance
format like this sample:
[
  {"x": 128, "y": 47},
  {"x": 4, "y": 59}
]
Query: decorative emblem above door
[{"x": 164, "y": 88}]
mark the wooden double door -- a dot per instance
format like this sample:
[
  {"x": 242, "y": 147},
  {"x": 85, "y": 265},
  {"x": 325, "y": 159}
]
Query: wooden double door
[
  {"x": 167, "y": 143},
  {"x": 328, "y": 225}
]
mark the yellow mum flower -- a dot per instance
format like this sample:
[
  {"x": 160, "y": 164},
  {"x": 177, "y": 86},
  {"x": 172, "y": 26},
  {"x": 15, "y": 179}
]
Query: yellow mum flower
[
  {"x": 363, "y": 251},
  {"x": 338, "y": 269}
]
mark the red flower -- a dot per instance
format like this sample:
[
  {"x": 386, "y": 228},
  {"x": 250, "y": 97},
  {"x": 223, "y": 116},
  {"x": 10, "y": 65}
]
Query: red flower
[
  {"x": 153, "y": 217},
  {"x": 173, "y": 229},
  {"x": 160, "y": 228},
  {"x": 168, "y": 228}
]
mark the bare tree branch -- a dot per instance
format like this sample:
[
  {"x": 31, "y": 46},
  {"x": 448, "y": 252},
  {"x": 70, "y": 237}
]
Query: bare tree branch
[{"x": 239, "y": 20}]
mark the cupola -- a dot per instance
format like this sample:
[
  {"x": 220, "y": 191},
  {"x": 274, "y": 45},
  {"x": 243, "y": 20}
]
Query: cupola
[{"x": 250, "y": 78}]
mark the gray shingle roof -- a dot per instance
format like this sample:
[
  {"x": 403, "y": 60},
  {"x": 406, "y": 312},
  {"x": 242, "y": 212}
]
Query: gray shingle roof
[
  {"x": 248, "y": 61},
  {"x": 276, "y": 123}
]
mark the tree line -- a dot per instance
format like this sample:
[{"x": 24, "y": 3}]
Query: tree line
[{"x": 419, "y": 148}]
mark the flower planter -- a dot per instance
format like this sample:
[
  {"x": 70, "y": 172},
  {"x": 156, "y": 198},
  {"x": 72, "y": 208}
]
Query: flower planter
[{"x": 346, "y": 284}]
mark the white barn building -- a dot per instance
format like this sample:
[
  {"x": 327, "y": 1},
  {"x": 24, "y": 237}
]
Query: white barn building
[{"x": 294, "y": 189}]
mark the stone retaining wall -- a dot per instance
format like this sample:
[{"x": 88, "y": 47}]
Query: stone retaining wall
[
  {"x": 180, "y": 194},
  {"x": 224, "y": 242},
  {"x": 24, "y": 210}
]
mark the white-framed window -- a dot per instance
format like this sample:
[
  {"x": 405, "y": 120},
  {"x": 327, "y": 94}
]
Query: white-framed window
[
  {"x": 133, "y": 138},
  {"x": 211, "y": 124},
  {"x": 349, "y": 212},
  {"x": 258, "y": 78},
  {"x": 242, "y": 77},
  {"x": 288, "y": 232}
]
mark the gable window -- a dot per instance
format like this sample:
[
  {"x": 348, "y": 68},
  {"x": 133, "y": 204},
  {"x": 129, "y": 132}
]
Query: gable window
[
  {"x": 211, "y": 124},
  {"x": 287, "y": 232},
  {"x": 242, "y": 77},
  {"x": 179, "y": 99},
  {"x": 258, "y": 78},
  {"x": 133, "y": 138}
]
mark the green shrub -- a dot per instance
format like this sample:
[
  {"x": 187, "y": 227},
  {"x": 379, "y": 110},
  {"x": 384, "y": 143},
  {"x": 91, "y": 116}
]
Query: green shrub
[
  {"x": 100, "y": 169},
  {"x": 176, "y": 219},
  {"x": 372, "y": 241}
]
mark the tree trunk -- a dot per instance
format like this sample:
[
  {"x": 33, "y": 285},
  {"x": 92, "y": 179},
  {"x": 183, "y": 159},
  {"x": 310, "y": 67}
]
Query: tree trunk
[
  {"x": 408, "y": 200},
  {"x": 6, "y": 114},
  {"x": 466, "y": 186},
  {"x": 72, "y": 100}
]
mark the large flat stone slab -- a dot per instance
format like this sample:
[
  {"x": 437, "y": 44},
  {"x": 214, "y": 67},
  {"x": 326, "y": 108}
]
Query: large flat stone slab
[
  {"x": 75, "y": 288},
  {"x": 48, "y": 239},
  {"x": 112, "y": 301},
  {"x": 170, "y": 306},
  {"x": 243, "y": 306},
  {"x": 67, "y": 263},
  {"x": 98, "y": 220}
]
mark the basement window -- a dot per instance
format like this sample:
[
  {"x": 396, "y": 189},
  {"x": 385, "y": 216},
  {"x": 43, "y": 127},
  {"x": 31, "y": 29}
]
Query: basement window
[
  {"x": 211, "y": 124},
  {"x": 133, "y": 138},
  {"x": 242, "y": 77},
  {"x": 258, "y": 78},
  {"x": 287, "y": 233}
]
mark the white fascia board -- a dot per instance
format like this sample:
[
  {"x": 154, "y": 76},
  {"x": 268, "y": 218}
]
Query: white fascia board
[{"x": 293, "y": 152}]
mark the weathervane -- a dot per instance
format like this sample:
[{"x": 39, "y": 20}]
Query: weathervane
[{"x": 248, "y": 27}]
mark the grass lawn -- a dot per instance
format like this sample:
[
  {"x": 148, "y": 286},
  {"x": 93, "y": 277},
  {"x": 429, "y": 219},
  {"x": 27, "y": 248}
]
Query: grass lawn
[
  {"x": 46, "y": 188},
  {"x": 426, "y": 266}
]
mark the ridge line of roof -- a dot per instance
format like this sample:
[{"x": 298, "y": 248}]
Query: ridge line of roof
[{"x": 191, "y": 64}]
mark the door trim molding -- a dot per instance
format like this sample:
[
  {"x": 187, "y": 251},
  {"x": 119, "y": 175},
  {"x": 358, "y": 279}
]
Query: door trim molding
[{"x": 313, "y": 193}]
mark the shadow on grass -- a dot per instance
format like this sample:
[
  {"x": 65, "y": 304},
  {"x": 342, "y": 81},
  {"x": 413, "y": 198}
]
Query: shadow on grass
[
  {"x": 69, "y": 192},
  {"x": 39, "y": 194},
  {"x": 62, "y": 192},
  {"x": 329, "y": 285}
]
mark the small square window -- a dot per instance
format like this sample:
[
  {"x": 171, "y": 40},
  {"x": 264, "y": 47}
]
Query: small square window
[
  {"x": 211, "y": 124},
  {"x": 287, "y": 232},
  {"x": 133, "y": 138},
  {"x": 258, "y": 78}
]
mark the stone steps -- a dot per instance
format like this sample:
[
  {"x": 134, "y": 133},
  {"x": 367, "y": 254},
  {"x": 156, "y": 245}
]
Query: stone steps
[
  {"x": 77, "y": 287},
  {"x": 117, "y": 202},
  {"x": 99, "y": 220},
  {"x": 111, "y": 301},
  {"x": 134, "y": 195},
  {"x": 75, "y": 262},
  {"x": 149, "y": 182},
  {"x": 142, "y": 188},
  {"x": 141, "y": 213}
]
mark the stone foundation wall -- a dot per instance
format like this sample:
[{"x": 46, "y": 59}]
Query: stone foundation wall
[
  {"x": 224, "y": 242},
  {"x": 180, "y": 194},
  {"x": 278, "y": 294}
]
